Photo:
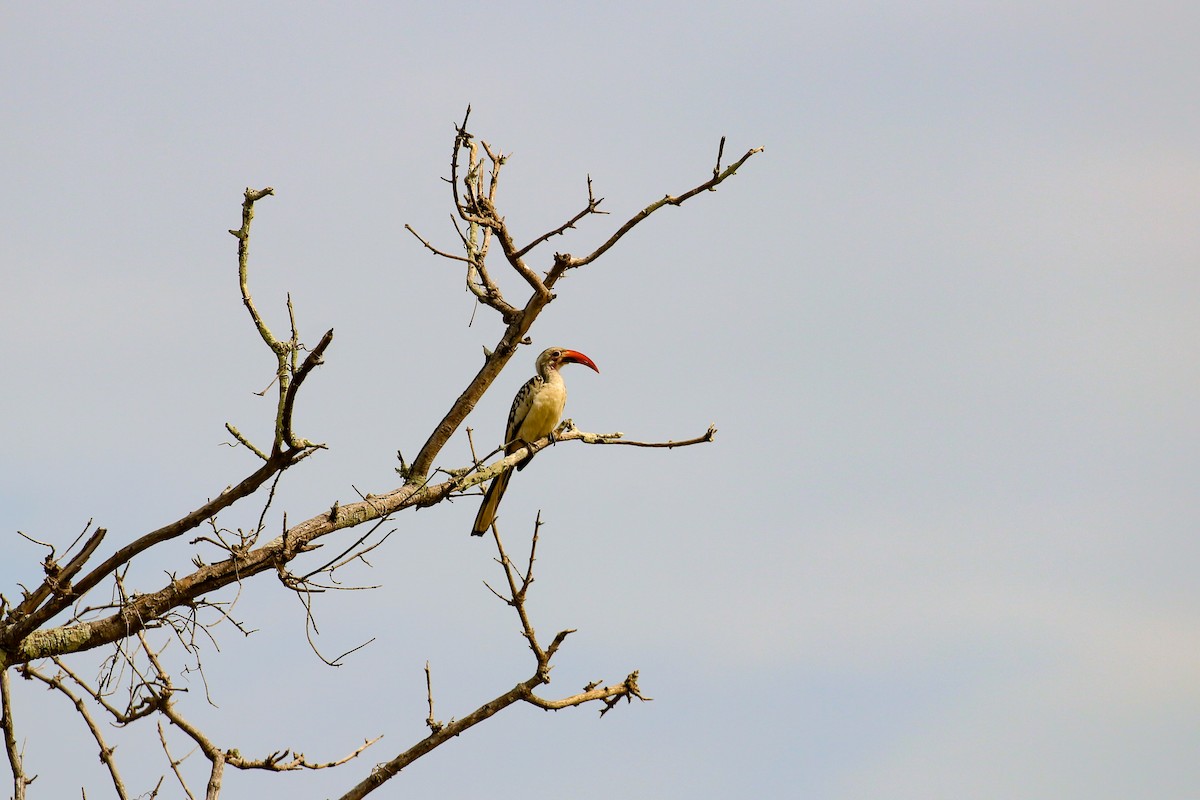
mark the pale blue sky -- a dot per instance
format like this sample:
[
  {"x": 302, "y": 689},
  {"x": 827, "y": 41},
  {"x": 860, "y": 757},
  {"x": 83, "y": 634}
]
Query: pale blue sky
[{"x": 945, "y": 544}]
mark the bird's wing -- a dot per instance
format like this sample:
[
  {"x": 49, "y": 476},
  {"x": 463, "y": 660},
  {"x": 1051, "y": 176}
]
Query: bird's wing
[{"x": 521, "y": 406}]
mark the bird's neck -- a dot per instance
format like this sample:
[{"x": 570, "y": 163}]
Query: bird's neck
[{"x": 551, "y": 376}]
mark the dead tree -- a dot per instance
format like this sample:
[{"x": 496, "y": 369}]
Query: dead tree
[{"x": 81, "y": 602}]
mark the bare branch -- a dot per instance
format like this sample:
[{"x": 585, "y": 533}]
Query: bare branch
[
  {"x": 615, "y": 438},
  {"x": 567, "y": 432},
  {"x": 279, "y": 761},
  {"x": 481, "y": 210},
  {"x": 461, "y": 138},
  {"x": 246, "y": 442},
  {"x": 566, "y": 262},
  {"x": 479, "y": 282},
  {"x": 162, "y": 737},
  {"x": 26, "y": 536},
  {"x": 15, "y": 761},
  {"x": 136, "y": 709},
  {"x": 287, "y": 375},
  {"x": 433, "y": 724},
  {"x": 592, "y": 207},
  {"x": 286, "y": 450},
  {"x": 243, "y": 236},
  {"x": 559, "y": 638},
  {"x": 720, "y": 152},
  {"x": 339, "y": 559},
  {"x": 387, "y": 770},
  {"x": 58, "y": 580},
  {"x": 106, "y": 752},
  {"x": 516, "y": 599},
  {"x": 627, "y": 689},
  {"x": 433, "y": 249},
  {"x": 208, "y": 578},
  {"x": 21, "y": 628},
  {"x": 440, "y": 733},
  {"x": 498, "y": 160},
  {"x": 313, "y": 360}
]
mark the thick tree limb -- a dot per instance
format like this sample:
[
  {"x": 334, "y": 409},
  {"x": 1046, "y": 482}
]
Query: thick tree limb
[
  {"x": 134, "y": 615},
  {"x": 22, "y": 627}
]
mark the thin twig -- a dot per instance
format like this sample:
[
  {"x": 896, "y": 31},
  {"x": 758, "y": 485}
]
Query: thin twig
[
  {"x": 720, "y": 152},
  {"x": 435, "y": 251},
  {"x": 674, "y": 200},
  {"x": 433, "y": 724},
  {"x": 592, "y": 207},
  {"x": 242, "y": 440},
  {"x": 162, "y": 737},
  {"x": 628, "y": 689}
]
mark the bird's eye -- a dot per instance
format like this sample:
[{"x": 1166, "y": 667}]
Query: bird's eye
[{"x": 556, "y": 354}]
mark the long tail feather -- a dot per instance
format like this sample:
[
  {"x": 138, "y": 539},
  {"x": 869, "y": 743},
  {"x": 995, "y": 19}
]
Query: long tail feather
[{"x": 491, "y": 501}]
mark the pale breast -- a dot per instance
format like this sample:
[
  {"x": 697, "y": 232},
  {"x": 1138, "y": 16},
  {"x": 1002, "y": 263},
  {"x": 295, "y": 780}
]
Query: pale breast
[{"x": 544, "y": 412}]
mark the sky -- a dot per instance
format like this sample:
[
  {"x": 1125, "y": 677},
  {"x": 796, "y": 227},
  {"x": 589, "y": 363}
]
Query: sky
[{"x": 945, "y": 543}]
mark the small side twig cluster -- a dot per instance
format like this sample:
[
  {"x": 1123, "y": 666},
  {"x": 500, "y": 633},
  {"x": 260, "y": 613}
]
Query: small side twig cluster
[{"x": 154, "y": 691}]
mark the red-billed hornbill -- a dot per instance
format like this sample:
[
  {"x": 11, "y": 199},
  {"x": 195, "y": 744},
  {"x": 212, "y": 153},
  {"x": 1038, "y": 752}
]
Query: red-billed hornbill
[{"x": 535, "y": 413}]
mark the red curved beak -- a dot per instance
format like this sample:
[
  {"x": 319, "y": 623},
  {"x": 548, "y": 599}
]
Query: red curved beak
[{"x": 578, "y": 358}]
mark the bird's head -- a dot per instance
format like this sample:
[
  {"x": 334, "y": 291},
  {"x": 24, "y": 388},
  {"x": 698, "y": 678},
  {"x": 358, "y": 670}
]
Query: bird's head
[{"x": 555, "y": 357}]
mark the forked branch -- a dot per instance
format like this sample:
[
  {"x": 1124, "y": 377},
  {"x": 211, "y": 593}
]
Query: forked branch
[
  {"x": 564, "y": 262},
  {"x": 592, "y": 207},
  {"x": 518, "y": 584},
  {"x": 288, "y": 372},
  {"x": 475, "y": 203}
]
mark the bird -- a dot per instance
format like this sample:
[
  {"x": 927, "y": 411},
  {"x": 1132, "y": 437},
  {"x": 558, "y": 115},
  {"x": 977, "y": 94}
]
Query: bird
[{"x": 535, "y": 413}]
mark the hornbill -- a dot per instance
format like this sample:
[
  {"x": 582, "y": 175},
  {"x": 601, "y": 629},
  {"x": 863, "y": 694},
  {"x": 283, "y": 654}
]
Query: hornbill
[{"x": 535, "y": 413}]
